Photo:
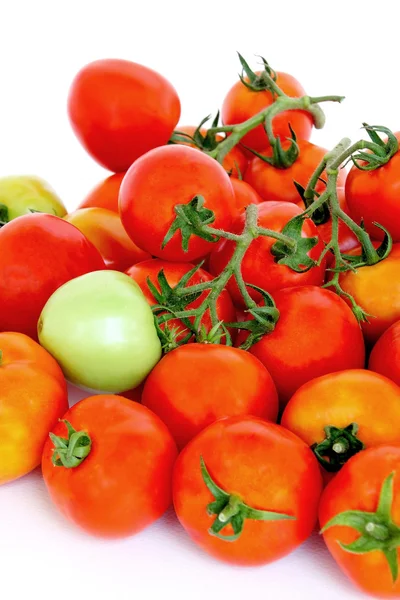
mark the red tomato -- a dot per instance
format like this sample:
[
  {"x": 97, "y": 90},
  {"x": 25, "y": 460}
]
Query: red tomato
[
  {"x": 244, "y": 195},
  {"x": 385, "y": 355},
  {"x": 251, "y": 389},
  {"x": 253, "y": 464},
  {"x": 163, "y": 179},
  {"x": 235, "y": 162},
  {"x": 38, "y": 253},
  {"x": 124, "y": 483},
  {"x": 120, "y": 110},
  {"x": 33, "y": 396},
  {"x": 376, "y": 289},
  {"x": 174, "y": 273},
  {"x": 242, "y": 103},
  {"x": 135, "y": 394},
  {"x": 357, "y": 507},
  {"x": 104, "y": 229},
  {"x": 358, "y": 408},
  {"x": 373, "y": 196},
  {"x": 258, "y": 265},
  {"x": 316, "y": 334},
  {"x": 104, "y": 194},
  {"x": 278, "y": 184}
]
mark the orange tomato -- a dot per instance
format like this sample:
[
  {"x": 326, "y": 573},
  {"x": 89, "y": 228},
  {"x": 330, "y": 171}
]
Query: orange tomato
[
  {"x": 385, "y": 355},
  {"x": 104, "y": 194},
  {"x": 376, "y": 289},
  {"x": 359, "y": 515},
  {"x": 33, "y": 396},
  {"x": 105, "y": 230},
  {"x": 359, "y": 408}
]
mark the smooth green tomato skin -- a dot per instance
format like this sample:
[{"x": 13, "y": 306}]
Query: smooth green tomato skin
[
  {"x": 21, "y": 194},
  {"x": 100, "y": 329}
]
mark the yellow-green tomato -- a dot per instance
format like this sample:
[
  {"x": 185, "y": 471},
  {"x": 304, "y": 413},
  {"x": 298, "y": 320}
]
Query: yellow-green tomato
[
  {"x": 22, "y": 194},
  {"x": 100, "y": 329}
]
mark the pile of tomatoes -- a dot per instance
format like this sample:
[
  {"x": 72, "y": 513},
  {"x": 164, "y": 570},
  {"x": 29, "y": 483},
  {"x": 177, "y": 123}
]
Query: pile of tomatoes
[{"x": 151, "y": 297}]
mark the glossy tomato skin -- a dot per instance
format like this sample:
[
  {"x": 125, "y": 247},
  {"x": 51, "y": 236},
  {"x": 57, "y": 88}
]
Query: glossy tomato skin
[
  {"x": 104, "y": 194},
  {"x": 316, "y": 334},
  {"x": 258, "y": 265},
  {"x": 22, "y": 194},
  {"x": 33, "y": 397},
  {"x": 339, "y": 399},
  {"x": 162, "y": 179},
  {"x": 385, "y": 355},
  {"x": 269, "y": 468},
  {"x": 357, "y": 487},
  {"x": 174, "y": 273},
  {"x": 235, "y": 162},
  {"x": 376, "y": 289},
  {"x": 226, "y": 381},
  {"x": 241, "y": 103},
  {"x": 373, "y": 196},
  {"x": 278, "y": 184},
  {"x": 104, "y": 229},
  {"x": 119, "y": 110},
  {"x": 244, "y": 195},
  {"x": 38, "y": 253},
  {"x": 124, "y": 484}
]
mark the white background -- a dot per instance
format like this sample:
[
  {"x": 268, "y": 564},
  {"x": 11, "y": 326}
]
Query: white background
[{"x": 344, "y": 48}]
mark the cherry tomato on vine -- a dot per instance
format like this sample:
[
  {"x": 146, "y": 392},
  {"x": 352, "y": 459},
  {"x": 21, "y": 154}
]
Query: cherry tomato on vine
[
  {"x": 258, "y": 265},
  {"x": 359, "y": 515},
  {"x": 163, "y": 179},
  {"x": 116, "y": 478},
  {"x": 104, "y": 229},
  {"x": 341, "y": 413},
  {"x": 33, "y": 396},
  {"x": 316, "y": 334},
  {"x": 120, "y": 110},
  {"x": 262, "y": 482},
  {"x": 373, "y": 197},
  {"x": 38, "y": 254},
  {"x": 273, "y": 183},
  {"x": 226, "y": 382},
  {"x": 385, "y": 355},
  {"x": 376, "y": 289},
  {"x": 173, "y": 273},
  {"x": 241, "y": 103},
  {"x": 235, "y": 162},
  {"x": 104, "y": 194}
]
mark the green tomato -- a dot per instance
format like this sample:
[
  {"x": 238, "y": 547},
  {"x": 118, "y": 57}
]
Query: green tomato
[
  {"x": 22, "y": 194},
  {"x": 100, "y": 329}
]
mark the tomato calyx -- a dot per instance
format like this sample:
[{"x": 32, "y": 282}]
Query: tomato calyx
[
  {"x": 171, "y": 337},
  {"x": 296, "y": 256},
  {"x": 190, "y": 220},
  {"x": 339, "y": 445},
  {"x": 377, "y": 529},
  {"x": 230, "y": 509},
  {"x": 281, "y": 158},
  {"x": 380, "y": 151},
  {"x": 70, "y": 452},
  {"x": 258, "y": 82},
  {"x": 4, "y": 216}
]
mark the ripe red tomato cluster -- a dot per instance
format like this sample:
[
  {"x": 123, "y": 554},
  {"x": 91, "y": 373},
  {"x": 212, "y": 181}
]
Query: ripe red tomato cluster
[{"x": 152, "y": 293}]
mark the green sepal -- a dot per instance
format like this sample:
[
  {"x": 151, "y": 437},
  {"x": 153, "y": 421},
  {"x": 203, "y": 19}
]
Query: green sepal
[
  {"x": 322, "y": 214},
  {"x": 214, "y": 335},
  {"x": 190, "y": 220},
  {"x": 4, "y": 215},
  {"x": 339, "y": 445},
  {"x": 381, "y": 151},
  {"x": 168, "y": 296},
  {"x": 296, "y": 258},
  {"x": 257, "y": 83},
  {"x": 70, "y": 452},
  {"x": 265, "y": 318},
  {"x": 377, "y": 529},
  {"x": 381, "y": 252},
  {"x": 280, "y": 159},
  {"x": 231, "y": 510},
  {"x": 168, "y": 336}
]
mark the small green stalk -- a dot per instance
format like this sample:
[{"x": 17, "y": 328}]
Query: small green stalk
[
  {"x": 70, "y": 452},
  {"x": 377, "y": 530},
  {"x": 338, "y": 447},
  {"x": 230, "y": 509}
]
